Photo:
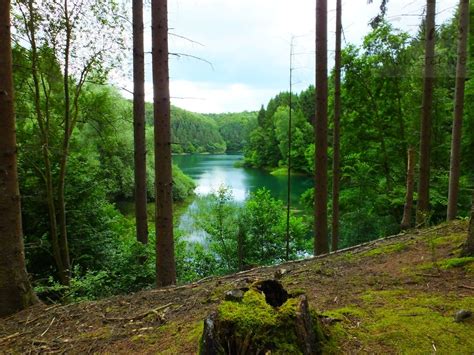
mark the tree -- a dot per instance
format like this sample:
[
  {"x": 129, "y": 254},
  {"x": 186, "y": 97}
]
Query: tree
[
  {"x": 336, "y": 133},
  {"x": 426, "y": 115},
  {"x": 139, "y": 123},
  {"x": 321, "y": 132},
  {"x": 165, "y": 260},
  {"x": 469, "y": 246},
  {"x": 461, "y": 70},
  {"x": 71, "y": 33},
  {"x": 15, "y": 289}
]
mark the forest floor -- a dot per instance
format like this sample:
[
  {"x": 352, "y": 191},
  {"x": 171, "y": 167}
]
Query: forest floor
[{"x": 397, "y": 295}]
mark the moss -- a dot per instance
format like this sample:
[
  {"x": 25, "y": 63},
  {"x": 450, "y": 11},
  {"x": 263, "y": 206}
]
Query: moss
[
  {"x": 413, "y": 322},
  {"x": 388, "y": 249},
  {"x": 457, "y": 262},
  {"x": 349, "y": 311},
  {"x": 267, "y": 325},
  {"x": 451, "y": 239},
  {"x": 251, "y": 314},
  {"x": 450, "y": 263}
]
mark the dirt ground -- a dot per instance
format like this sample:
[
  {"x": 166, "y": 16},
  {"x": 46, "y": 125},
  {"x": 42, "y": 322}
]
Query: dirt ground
[{"x": 396, "y": 295}]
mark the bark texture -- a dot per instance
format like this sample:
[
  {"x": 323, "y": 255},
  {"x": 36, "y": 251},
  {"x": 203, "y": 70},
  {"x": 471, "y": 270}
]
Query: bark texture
[
  {"x": 165, "y": 262},
  {"x": 337, "y": 130},
  {"x": 461, "y": 72},
  {"x": 15, "y": 289},
  {"x": 406, "y": 220},
  {"x": 139, "y": 122},
  {"x": 321, "y": 132},
  {"x": 426, "y": 116}
]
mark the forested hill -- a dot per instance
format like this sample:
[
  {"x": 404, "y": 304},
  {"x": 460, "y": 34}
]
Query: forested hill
[{"x": 207, "y": 133}]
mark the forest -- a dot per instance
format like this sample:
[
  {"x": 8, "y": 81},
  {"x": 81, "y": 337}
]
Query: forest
[{"x": 92, "y": 201}]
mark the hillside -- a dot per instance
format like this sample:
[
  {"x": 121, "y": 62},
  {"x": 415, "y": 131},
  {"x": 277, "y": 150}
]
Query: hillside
[{"x": 393, "y": 295}]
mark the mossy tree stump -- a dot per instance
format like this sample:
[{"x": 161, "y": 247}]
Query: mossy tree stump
[{"x": 266, "y": 320}]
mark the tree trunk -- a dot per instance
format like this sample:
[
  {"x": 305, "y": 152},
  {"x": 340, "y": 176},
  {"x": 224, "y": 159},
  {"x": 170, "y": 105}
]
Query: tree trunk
[
  {"x": 165, "y": 263},
  {"x": 406, "y": 220},
  {"x": 461, "y": 72},
  {"x": 240, "y": 247},
  {"x": 43, "y": 125},
  {"x": 427, "y": 108},
  {"x": 63, "y": 242},
  {"x": 139, "y": 123},
  {"x": 15, "y": 289},
  {"x": 336, "y": 133},
  {"x": 321, "y": 132},
  {"x": 469, "y": 246}
]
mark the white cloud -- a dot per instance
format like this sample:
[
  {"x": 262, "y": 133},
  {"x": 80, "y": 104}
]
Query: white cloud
[{"x": 247, "y": 42}]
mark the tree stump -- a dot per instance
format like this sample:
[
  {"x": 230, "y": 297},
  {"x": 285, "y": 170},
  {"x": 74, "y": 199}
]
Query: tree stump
[{"x": 267, "y": 320}]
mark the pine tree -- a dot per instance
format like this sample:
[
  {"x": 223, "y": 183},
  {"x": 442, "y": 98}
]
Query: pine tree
[
  {"x": 461, "y": 72},
  {"x": 426, "y": 117},
  {"x": 15, "y": 289},
  {"x": 139, "y": 122},
  {"x": 321, "y": 132},
  {"x": 165, "y": 261},
  {"x": 336, "y": 133}
]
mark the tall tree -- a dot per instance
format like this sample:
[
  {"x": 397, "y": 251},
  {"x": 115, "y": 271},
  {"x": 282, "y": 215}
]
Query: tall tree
[
  {"x": 321, "y": 131},
  {"x": 165, "y": 261},
  {"x": 426, "y": 116},
  {"x": 336, "y": 130},
  {"x": 139, "y": 122},
  {"x": 469, "y": 246},
  {"x": 461, "y": 72},
  {"x": 15, "y": 289}
]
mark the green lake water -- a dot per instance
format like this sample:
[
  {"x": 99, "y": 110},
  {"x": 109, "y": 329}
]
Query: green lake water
[{"x": 209, "y": 172}]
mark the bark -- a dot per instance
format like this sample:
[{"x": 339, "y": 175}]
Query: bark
[
  {"x": 139, "y": 122},
  {"x": 165, "y": 262},
  {"x": 63, "y": 242},
  {"x": 321, "y": 132},
  {"x": 15, "y": 289},
  {"x": 461, "y": 72},
  {"x": 469, "y": 246},
  {"x": 336, "y": 131},
  {"x": 406, "y": 220},
  {"x": 426, "y": 117}
]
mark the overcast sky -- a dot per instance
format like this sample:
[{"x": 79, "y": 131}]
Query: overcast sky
[{"x": 248, "y": 44}]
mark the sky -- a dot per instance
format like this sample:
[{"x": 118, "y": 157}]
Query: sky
[{"x": 244, "y": 46}]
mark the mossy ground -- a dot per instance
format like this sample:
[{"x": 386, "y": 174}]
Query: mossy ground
[{"x": 393, "y": 296}]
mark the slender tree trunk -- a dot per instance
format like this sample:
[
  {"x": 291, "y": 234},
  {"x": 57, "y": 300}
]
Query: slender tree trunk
[
  {"x": 290, "y": 139},
  {"x": 43, "y": 125},
  {"x": 336, "y": 132},
  {"x": 406, "y": 220},
  {"x": 321, "y": 132},
  {"x": 425, "y": 131},
  {"x": 15, "y": 289},
  {"x": 165, "y": 262},
  {"x": 469, "y": 246},
  {"x": 240, "y": 247},
  {"x": 63, "y": 242},
  {"x": 139, "y": 122},
  {"x": 461, "y": 72}
]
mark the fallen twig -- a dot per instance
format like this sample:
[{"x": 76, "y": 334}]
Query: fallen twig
[
  {"x": 141, "y": 315},
  {"x": 49, "y": 326},
  {"x": 466, "y": 287},
  {"x": 9, "y": 337}
]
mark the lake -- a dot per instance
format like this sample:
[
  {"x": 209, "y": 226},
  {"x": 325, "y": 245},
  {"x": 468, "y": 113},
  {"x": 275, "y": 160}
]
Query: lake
[{"x": 211, "y": 171}]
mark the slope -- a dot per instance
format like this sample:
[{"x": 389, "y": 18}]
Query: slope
[{"x": 393, "y": 295}]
